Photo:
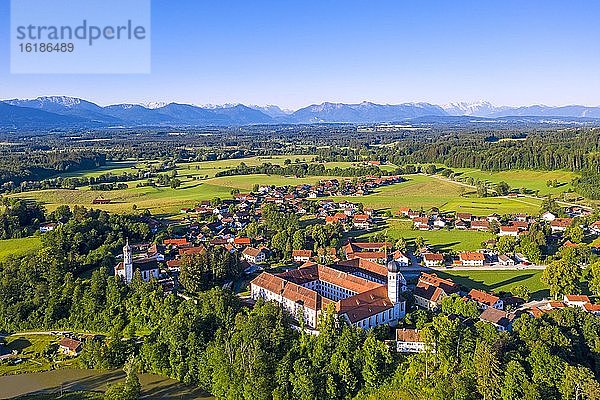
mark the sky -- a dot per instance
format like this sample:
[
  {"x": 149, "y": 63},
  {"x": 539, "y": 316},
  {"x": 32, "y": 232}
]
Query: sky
[{"x": 295, "y": 53}]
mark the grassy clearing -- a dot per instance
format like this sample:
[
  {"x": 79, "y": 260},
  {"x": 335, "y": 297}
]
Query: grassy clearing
[
  {"x": 114, "y": 167},
  {"x": 441, "y": 240},
  {"x": 425, "y": 192},
  {"x": 498, "y": 281},
  {"x": 18, "y": 247},
  {"x": 31, "y": 349},
  {"x": 532, "y": 180}
]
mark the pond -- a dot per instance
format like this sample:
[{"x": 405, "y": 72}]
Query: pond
[{"x": 68, "y": 380}]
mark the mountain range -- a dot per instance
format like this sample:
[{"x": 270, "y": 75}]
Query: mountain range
[{"x": 59, "y": 112}]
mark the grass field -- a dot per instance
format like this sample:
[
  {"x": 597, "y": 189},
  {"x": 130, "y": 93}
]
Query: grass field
[
  {"x": 425, "y": 192},
  {"x": 532, "y": 180},
  {"x": 440, "y": 240},
  {"x": 19, "y": 247},
  {"x": 199, "y": 183},
  {"x": 498, "y": 281},
  {"x": 419, "y": 191},
  {"x": 161, "y": 200},
  {"x": 31, "y": 349}
]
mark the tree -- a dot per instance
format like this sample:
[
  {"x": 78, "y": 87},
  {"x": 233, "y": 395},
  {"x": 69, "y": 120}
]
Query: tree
[
  {"x": 575, "y": 234},
  {"x": 506, "y": 244},
  {"x": 401, "y": 245},
  {"x": 430, "y": 169},
  {"x": 377, "y": 361},
  {"x": 577, "y": 380},
  {"x": 515, "y": 380},
  {"x": 482, "y": 190},
  {"x": 562, "y": 277},
  {"x": 521, "y": 291},
  {"x": 487, "y": 370},
  {"x": 502, "y": 188},
  {"x": 130, "y": 389},
  {"x": 594, "y": 272}
]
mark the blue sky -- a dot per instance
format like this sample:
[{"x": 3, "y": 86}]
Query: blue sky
[{"x": 295, "y": 53}]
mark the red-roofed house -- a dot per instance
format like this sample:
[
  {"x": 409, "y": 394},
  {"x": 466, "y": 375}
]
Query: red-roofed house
[
  {"x": 301, "y": 256},
  {"x": 485, "y": 300},
  {"x": 472, "y": 258},
  {"x": 431, "y": 289},
  {"x": 253, "y": 255}
]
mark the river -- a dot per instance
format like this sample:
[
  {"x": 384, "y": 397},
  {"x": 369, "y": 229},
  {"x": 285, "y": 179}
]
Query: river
[{"x": 153, "y": 386}]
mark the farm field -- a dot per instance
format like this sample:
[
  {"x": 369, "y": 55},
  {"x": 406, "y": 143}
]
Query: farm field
[
  {"x": 114, "y": 167},
  {"x": 419, "y": 191},
  {"x": 30, "y": 347},
  {"x": 440, "y": 240},
  {"x": 18, "y": 247},
  {"x": 532, "y": 180},
  {"x": 161, "y": 200},
  {"x": 497, "y": 281},
  {"x": 425, "y": 192}
]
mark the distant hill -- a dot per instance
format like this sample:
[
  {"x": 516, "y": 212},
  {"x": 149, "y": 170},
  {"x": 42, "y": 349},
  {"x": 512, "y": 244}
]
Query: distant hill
[
  {"x": 63, "y": 112},
  {"x": 13, "y": 117},
  {"x": 364, "y": 112}
]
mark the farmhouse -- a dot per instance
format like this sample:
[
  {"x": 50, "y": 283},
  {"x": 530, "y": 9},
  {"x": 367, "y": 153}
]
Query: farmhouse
[
  {"x": 433, "y": 259},
  {"x": 306, "y": 292},
  {"x": 508, "y": 230},
  {"x": 431, "y": 289},
  {"x": 254, "y": 255},
  {"x": 548, "y": 216},
  {"x": 500, "y": 319},
  {"x": 465, "y": 217},
  {"x": 480, "y": 225},
  {"x": 361, "y": 221},
  {"x": 574, "y": 300},
  {"x": 409, "y": 341},
  {"x": 70, "y": 347},
  {"x": 421, "y": 223},
  {"x": 506, "y": 261},
  {"x": 401, "y": 258},
  {"x": 371, "y": 251},
  {"x": 472, "y": 258},
  {"x": 560, "y": 224}
]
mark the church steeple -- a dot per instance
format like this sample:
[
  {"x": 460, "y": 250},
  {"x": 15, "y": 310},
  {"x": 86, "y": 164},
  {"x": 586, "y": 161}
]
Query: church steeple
[
  {"x": 128, "y": 262},
  {"x": 393, "y": 282}
]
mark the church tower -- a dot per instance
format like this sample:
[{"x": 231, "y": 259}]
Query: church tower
[
  {"x": 128, "y": 262},
  {"x": 394, "y": 284}
]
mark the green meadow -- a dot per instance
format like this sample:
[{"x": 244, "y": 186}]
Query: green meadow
[
  {"x": 499, "y": 281},
  {"x": 18, "y": 247},
  {"x": 199, "y": 183},
  {"x": 441, "y": 240},
  {"x": 532, "y": 180},
  {"x": 425, "y": 192}
]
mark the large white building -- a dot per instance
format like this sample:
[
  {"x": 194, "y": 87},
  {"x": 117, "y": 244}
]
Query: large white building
[{"x": 364, "y": 293}]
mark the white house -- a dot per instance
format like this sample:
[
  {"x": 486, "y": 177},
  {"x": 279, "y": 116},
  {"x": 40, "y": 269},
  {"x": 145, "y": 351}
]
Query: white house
[
  {"x": 548, "y": 216},
  {"x": 472, "y": 258},
  {"x": 401, "y": 258},
  {"x": 485, "y": 300},
  {"x": 433, "y": 259},
  {"x": 506, "y": 261},
  {"x": 253, "y": 255},
  {"x": 409, "y": 341}
]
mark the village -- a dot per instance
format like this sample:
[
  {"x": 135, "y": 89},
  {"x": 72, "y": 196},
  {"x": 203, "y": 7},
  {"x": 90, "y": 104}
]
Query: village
[{"x": 367, "y": 283}]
